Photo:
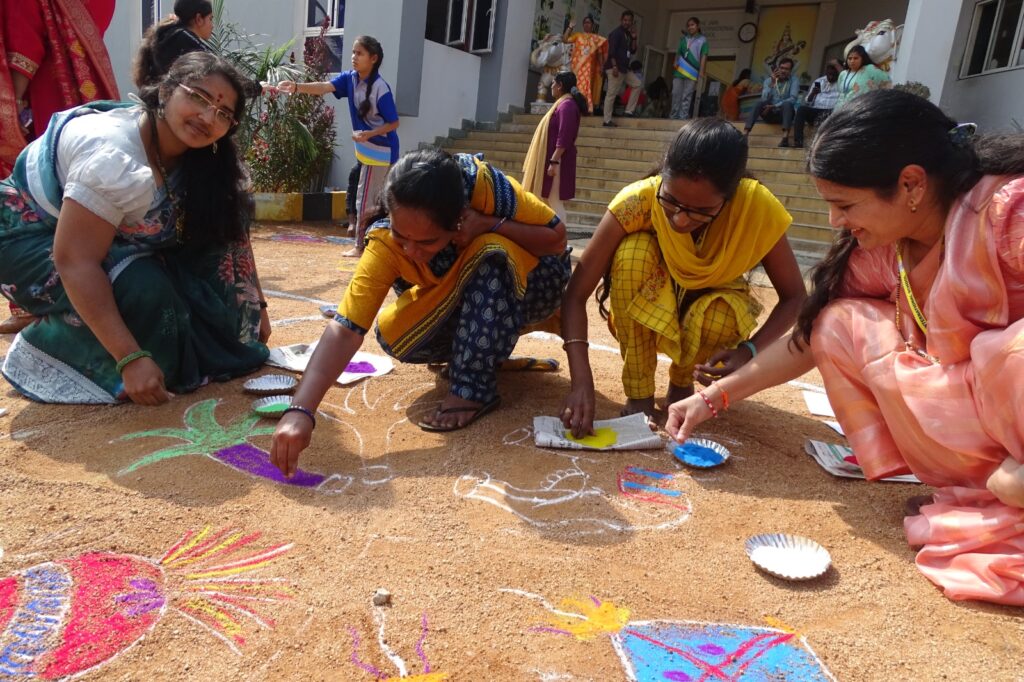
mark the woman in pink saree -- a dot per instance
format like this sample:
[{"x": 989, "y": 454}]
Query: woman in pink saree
[{"x": 916, "y": 323}]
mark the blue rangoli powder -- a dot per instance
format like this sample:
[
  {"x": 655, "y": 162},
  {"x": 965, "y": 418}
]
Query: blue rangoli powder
[{"x": 697, "y": 455}]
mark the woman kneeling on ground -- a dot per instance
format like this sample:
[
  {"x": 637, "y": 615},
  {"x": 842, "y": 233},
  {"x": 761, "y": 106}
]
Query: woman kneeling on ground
[
  {"x": 674, "y": 250},
  {"x": 123, "y": 228},
  {"x": 916, "y": 323},
  {"x": 473, "y": 258}
]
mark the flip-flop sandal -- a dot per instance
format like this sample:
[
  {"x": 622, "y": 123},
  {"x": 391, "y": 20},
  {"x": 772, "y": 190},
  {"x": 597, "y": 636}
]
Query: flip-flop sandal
[{"x": 477, "y": 413}]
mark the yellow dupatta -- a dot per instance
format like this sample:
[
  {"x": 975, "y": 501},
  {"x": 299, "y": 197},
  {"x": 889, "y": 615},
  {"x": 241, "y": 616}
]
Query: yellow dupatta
[
  {"x": 536, "y": 157},
  {"x": 750, "y": 224}
]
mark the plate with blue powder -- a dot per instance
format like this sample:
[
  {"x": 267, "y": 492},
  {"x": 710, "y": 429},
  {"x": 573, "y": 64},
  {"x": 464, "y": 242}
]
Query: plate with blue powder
[{"x": 699, "y": 453}]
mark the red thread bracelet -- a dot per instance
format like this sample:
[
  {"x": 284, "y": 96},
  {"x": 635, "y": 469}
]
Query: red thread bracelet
[{"x": 714, "y": 412}]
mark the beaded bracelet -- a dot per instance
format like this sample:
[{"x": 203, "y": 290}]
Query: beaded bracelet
[
  {"x": 132, "y": 357},
  {"x": 567, "y": 342},
  {"x": 749, "y": 345},
  {"x": 497, "y": 225},
  {"x": 263, "y": 305},
  {"x": 304, "y": 410},
  {"x": 714, "y": 412}
]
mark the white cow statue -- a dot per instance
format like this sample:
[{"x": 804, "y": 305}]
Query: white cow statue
[
  {"x": 550, "y": 57},
  {"x": 881, "y": 40}
]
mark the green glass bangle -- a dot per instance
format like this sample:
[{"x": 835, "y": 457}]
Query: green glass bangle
[
  {"x": 749, "y": 346},
  {"x": 132, "y": 357}
]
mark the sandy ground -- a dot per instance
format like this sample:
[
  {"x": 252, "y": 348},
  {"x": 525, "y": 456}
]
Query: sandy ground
[{"x": 447, "y": 523}]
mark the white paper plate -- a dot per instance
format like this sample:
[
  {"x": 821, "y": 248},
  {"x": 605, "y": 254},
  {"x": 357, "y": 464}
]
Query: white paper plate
[
  {"x": 271, "y": 384},
  {"x": 791, "y": 557},
  {"x": 694, "y": 459},
  {"x": 273, "y": 406}
]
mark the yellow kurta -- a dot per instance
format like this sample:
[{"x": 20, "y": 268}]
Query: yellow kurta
[
  {"x": 431, "y": 298},
  {"x": 658, "y": 271}
]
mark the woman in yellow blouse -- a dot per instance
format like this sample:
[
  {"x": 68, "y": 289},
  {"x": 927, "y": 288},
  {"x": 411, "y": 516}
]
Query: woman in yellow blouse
[
  {"x": 674, "y": 250},
  {"x": 473, "y": 257}
]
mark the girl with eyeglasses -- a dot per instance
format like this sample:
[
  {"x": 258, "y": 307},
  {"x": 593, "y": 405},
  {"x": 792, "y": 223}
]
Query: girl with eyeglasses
[
  {"x": 674, "y": 250},
  {"x": 124, "y": 229}
]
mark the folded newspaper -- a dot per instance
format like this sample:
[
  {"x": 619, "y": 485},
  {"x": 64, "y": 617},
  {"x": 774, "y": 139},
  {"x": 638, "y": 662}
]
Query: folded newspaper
[
  {"x": 624, "y": 433},
  {"x": 296, "y": 356},
  {"x": 838, "y": 460}
]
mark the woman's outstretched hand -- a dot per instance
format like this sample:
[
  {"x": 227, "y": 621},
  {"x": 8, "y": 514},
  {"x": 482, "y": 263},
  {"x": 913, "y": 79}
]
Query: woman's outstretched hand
[
  {"x": 287, "y": 87},
  {"x": 144, "y": 382},
  {"x": 685, "y": 416},
  {"x": 292, "y": 436},
  {"x": 722, "y": 363}
]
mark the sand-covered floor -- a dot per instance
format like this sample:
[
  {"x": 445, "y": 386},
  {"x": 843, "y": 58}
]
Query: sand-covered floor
[{"x": 479, "y": 536}]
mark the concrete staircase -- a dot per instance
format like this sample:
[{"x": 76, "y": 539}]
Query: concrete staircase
[{"x": 610, "y": 158}]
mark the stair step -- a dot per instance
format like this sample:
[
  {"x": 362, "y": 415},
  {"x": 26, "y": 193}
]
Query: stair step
[{"x": 611, "y": 158}]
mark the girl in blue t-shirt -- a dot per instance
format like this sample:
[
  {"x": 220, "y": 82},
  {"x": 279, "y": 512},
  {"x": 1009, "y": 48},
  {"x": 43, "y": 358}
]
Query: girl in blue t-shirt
[{"x": 374, "y": 121}]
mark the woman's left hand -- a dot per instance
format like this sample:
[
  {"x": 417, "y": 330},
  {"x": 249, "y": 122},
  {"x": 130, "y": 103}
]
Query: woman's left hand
[
  {"x": 552, "y": 170},
  {"x": 361, "y": 135},
  {"x": 721, "y": 364},
  {"x": 264, "y": 325},
  {"x": 472, "y": 224},
  {"x": 1007, "y": 483}
]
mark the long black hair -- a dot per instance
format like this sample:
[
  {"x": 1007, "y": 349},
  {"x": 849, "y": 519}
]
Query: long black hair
[
  {"x": 211, "y": 192},
  {"x": 865, "y": 58},
  {"x": 567, "y": 80},
  {"x": 429, "y": 181},
  {"x": 710, "y": 148},
  {"x": 904, "y": 129},
  {"x": 371, "y": 45},
  {"x": 146, "y": 70},
  {"x": 744, "y": 75}
]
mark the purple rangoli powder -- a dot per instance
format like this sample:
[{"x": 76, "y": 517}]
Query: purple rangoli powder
[{"x": 360, "y": 368}]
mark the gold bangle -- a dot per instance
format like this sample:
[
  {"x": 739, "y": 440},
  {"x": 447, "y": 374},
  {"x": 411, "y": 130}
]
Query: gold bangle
[{"x": 566, "y": 343}]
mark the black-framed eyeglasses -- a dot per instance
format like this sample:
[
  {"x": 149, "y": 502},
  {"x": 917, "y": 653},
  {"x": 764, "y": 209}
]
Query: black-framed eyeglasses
[
  {"x": 674, "y": 208},
  {"x": 223, "y": 116}
]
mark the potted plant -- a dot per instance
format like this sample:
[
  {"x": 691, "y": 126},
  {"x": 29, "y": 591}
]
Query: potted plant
[{"x": 287, "y": 142}]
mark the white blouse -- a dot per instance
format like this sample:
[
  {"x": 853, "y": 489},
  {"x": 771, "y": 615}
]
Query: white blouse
[{"x": 102, "y": 165}]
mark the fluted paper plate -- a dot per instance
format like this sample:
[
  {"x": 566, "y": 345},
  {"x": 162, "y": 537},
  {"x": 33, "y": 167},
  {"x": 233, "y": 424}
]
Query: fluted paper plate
[
  {"x": 699, "y": 456},
  {"x": 272, "y": 406},
  {"x": 271, "y": 384},
  {"x": 790, "y": 557}
]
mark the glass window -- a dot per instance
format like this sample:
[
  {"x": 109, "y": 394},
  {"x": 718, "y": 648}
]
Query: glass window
[
  {"x": 995, "y": 31},
  {"x": 437, "y": 20},
  {"x": 483, "y": 26},
  {"x": 150, "y": 13},
  {"x": 1004, "y": 36},
  {"x": 318, "y": 10},
  {"x": 456, "y": 22}
]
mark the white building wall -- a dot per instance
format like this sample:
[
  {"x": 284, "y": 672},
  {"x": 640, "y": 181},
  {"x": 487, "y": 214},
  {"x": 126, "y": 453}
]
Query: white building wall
[
  {"x": 448, "y": 94},
  {"x": 515, "y": 64}
]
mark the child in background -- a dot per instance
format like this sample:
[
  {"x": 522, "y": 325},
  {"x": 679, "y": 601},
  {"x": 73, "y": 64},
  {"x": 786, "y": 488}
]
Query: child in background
[
  {"x": 374, "y": 122},
  {"x": 350, "y": 196}
]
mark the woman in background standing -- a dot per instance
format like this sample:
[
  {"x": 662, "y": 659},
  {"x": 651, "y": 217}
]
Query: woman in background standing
[
  {"x": 550, "y": 167},
  {"x": 589, "y": 50},
  {"x": 186, "y": 31}
]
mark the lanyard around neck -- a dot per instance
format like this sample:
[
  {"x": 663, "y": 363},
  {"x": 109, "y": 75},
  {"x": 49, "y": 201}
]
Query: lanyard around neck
[{"x": 915, "y": 310}]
